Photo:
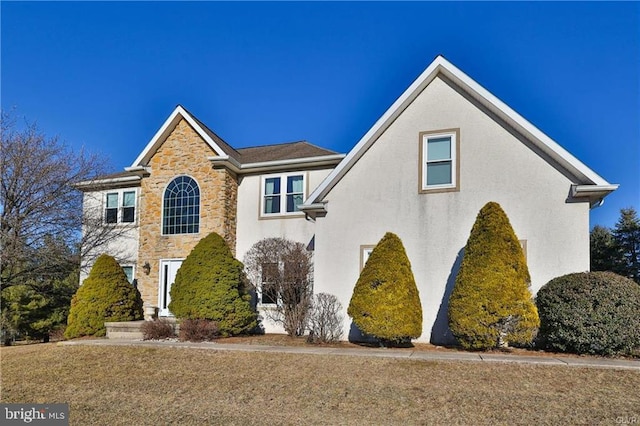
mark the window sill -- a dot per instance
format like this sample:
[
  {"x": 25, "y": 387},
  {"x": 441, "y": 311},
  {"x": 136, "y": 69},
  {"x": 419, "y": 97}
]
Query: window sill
[
  {"x": 438, "y": 189},
  {"x": 295, "y": 215}
]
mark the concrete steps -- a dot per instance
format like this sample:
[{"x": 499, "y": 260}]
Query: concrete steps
[{"x": 130, "y": 330}]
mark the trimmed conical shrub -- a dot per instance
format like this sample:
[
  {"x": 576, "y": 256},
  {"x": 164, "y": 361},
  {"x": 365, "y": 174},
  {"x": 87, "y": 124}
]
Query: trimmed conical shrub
[
  {"x": 385, "y": 302},
  {"x": 211, "y": 285},
  {"x": 491, "y": 304},
  {"x": 104, "y": 296}
]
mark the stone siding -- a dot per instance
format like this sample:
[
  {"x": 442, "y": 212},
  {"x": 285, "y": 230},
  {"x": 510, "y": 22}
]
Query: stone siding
[{"x": 184, "y": 152}]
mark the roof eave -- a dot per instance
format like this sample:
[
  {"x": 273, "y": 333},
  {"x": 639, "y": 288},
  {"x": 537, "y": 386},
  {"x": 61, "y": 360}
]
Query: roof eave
[
  {"x": 594, "y": 194},
  {"x": 440, "y": 65},
  {"x": 277, "y": 165},
  {"x": 124, "y": 181}
]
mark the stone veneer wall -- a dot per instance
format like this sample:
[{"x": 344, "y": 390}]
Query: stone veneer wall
[{"x": 184, "y": 152}]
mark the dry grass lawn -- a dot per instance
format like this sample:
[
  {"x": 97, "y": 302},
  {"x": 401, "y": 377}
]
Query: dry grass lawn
[{"x": 159, "y": 386}]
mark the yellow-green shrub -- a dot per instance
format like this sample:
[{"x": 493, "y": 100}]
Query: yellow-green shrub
[
  {"x": 491, "y": 303},
  {"x": 210, "y": 285},
  {"x": 106, "y": 295},
  {"x": 385, "y": 302}
]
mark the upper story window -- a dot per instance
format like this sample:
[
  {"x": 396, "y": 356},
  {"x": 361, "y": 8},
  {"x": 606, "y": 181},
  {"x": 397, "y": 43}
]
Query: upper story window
[
  {"x": 181, "y": 207},
  {"x": 439, "y": 161},
  {"x": 282, "y": 194},
  {"x": 120, "y": 207}
]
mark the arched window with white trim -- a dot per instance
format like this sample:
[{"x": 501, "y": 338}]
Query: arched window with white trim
[{"x": 181, "y": 207}]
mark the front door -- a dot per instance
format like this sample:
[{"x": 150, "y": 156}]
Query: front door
[{"x": 168, "y": 270}]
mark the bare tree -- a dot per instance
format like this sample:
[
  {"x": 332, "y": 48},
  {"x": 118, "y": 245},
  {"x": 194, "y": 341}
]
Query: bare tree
[
  {"x": 39, "y": 205},
  {"x": 325, "y": 319},
  {"x": 281, "y": 272}
]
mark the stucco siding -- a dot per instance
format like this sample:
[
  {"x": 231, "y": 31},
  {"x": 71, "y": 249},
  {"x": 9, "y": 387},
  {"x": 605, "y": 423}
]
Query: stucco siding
[
  {"x": 380, "y": 194},
  {"x": 252, "y": 228},
  {"x": 122, "y": 243}
]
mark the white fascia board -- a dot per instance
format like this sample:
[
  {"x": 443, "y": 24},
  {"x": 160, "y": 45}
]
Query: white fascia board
[
  {"x": 589, "y": 190},
  {"x": 324, "y": 160},
  {"x": 107, "y": 182},
  {"x": 313, "y": 207},
  {"x": 594, "y": 194},
  {"x": 441, "y": 65},
  {"x": 166, "y": 129},
  {"x": 544, "y": 142},
  {"x": 226, "y": 161},
  {"x": 378, "y": 128}
]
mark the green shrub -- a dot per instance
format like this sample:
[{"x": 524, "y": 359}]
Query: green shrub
[
  {"x": 198, "y": 330},
  {"x": 491, "y": 304},
  {"x": 385, "y": 302},
  {"x": 104, "y": 296},
  {"x": 158, "y": 329},
  {"x": 590, "y": 313},
  {"x": 211, "y": 285}
]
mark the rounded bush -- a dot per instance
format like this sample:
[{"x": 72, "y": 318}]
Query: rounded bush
[
  {"x": 105, "y": 296},
  {"x": 211, "y": 285},
  {"x": 590, "y": 313},
  {"x": 385, "y": 302},
  {"x": 491, "y": 304}
]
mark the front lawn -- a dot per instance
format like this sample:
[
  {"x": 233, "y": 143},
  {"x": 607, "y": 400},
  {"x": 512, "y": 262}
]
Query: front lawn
[{"x": 136, "y": 385}]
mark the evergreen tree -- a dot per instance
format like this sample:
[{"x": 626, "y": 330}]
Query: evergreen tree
[
  {"x": 626, "y": 234},
  {"x": 211, "y": 285},
  {"x": 105, "y": 296},
  {"x": 491, "y": 304},
  {"x": 603, "y": 249},
  {"x": 34, "y": 310},
  {"x": 385, "y": 302}
]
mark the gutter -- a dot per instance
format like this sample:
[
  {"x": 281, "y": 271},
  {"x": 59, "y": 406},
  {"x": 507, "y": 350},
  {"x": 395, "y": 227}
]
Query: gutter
[
  {"x": 313, "y": 210},
  {"x": 99, "y": 183},
  {"x": 277, "y": 165},
  {"x": 593, "y": 193}
]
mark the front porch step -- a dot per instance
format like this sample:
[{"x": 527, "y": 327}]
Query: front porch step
[{"x": 128, "y": 330}]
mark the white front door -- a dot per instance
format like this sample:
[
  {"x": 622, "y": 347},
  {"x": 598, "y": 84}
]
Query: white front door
[{"x": 168, "y": 269}]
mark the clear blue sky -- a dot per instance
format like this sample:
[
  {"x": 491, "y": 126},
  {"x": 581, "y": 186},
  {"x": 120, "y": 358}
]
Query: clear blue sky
[{"x": 106, "y": 75}]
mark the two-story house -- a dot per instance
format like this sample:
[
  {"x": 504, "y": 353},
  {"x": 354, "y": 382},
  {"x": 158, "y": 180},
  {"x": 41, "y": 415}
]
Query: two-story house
[{"x": 444, "y": 149}]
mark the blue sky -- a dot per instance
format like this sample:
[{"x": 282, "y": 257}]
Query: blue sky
[{"x": 105, "y": 75}]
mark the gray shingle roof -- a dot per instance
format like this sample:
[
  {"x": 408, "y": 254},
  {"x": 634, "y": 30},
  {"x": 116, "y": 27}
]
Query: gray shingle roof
[
  {"x": 255, "y": 154},
  {"x": 283, "y": 151}
]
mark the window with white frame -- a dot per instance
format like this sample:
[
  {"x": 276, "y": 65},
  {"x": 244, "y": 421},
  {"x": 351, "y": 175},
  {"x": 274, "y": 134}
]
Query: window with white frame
[
  {"x": 128, "y": 271},
  {"x": 181, "y": 207},
  {"x": 120, "y": 207},
  {"x": 365, "y": 252},
  {"x": 439, "y": 163},
  {"x": 269, "y": 284},
  {"x": 282, "y": 194}
]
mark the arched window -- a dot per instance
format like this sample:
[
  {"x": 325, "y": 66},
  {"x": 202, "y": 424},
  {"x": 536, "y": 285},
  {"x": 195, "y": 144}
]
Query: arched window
[{"x": 181, "y": 207}]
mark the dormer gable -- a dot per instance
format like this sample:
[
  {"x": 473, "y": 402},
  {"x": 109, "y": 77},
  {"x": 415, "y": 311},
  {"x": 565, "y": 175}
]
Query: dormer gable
[{"x": 219, "y": 147}]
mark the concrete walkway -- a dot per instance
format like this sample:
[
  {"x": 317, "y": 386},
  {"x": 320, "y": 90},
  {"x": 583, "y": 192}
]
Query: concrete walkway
[{"x": 375, "y": 352}]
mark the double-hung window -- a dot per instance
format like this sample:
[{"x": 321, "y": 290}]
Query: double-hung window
[
  {"x": 439, "y": 162},
  {"x": 282, "y": 194},
  {"x": 269, "y": 283},
  {"x": 120, "y": 207}
]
